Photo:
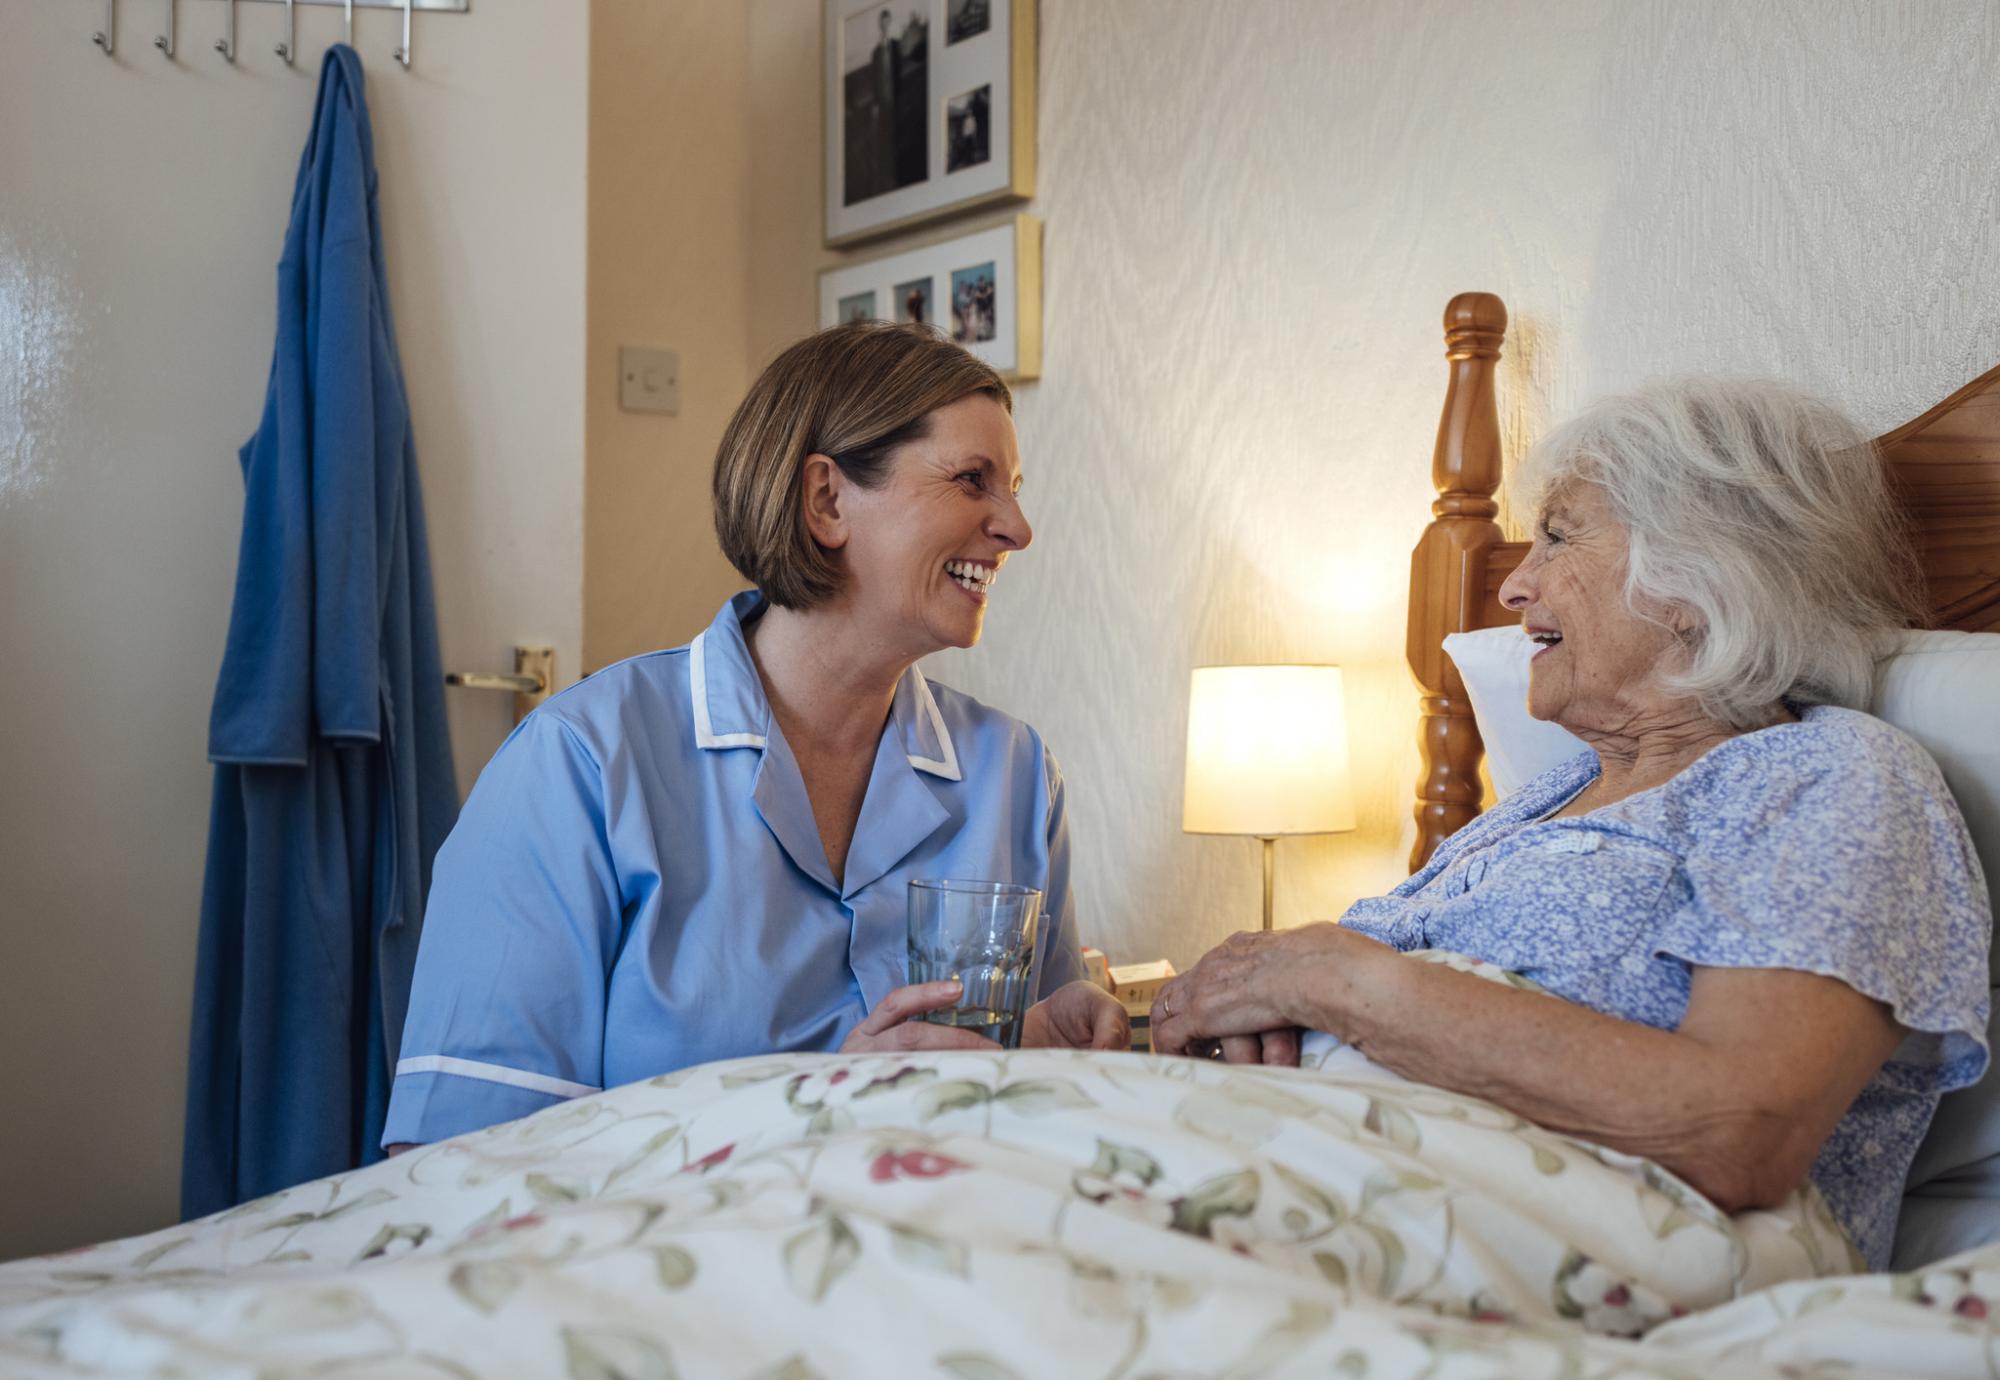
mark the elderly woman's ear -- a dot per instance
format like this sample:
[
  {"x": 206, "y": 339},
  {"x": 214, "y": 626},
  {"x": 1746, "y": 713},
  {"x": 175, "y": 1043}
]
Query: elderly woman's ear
[
  {"x": 822, "y": 482},
  {"x": 1684, "y": 623}
]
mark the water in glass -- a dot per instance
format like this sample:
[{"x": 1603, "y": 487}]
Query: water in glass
[{"x": 982, "y": 933}]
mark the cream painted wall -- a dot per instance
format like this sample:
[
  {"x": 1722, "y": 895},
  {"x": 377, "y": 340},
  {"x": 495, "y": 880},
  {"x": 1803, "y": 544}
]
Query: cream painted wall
[
  {"x": 1255, "y": 214},
  {"x": 142, "y": 207},
  {"x": 670, "y": 161}
]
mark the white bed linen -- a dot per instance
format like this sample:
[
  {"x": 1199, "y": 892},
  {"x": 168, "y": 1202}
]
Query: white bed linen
[{"x": 980, "y": 1216}]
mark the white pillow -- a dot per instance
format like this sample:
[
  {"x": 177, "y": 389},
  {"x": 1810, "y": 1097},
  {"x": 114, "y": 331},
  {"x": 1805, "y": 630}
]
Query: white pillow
[
  {"x": 1943, "y": 689},
  {"x": 1493, "y": 663}
]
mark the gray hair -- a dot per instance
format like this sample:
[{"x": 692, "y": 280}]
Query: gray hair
[{"x": 1764, "y": 518}]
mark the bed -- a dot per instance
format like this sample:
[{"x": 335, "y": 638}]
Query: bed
[{"x": 1043, "y": 1213}]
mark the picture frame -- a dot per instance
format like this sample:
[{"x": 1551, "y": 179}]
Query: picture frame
[
  {"x": 929, "y": 111},
  {"x": 984, "y": 289}
]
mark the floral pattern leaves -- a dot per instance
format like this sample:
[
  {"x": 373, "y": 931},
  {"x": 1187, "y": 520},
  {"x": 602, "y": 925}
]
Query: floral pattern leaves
[
  {"x": 485, "y": 1284},
  {"x": 374, "y": 1197},
  {"x": 674, "y": 1266},
  {"x": 1226, "y": 1195},
  {"x": 607, "y": 1353},
  {"x": 817, "y": 1257},
  {"x": 1032, "y": 1097}
]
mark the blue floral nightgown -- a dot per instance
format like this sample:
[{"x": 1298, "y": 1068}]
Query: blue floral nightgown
[{"x": 1830, "y": 845}]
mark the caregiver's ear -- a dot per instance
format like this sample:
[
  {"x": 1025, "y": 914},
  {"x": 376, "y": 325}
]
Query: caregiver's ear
[{"x": 822, "y": 486}]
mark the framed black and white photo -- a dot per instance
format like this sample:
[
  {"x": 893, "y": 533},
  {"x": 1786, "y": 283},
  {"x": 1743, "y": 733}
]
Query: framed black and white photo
[
  {"x": 983, "y": 289},
  {"x": 930, "y": 111}
]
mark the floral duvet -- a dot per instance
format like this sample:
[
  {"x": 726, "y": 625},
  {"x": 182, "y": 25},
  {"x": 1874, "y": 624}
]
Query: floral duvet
[{"x": 987, "y": 1216}]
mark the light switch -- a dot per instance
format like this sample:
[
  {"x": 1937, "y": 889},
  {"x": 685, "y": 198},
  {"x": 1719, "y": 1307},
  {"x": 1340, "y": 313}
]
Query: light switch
[{"x": 649, "y": 380}]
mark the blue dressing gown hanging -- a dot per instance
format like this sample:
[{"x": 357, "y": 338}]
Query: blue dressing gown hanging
[{"x": 333, "y": 776}]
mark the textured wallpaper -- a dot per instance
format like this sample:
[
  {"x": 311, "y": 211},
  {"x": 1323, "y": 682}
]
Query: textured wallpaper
[{"x": 1255, "y": 213}]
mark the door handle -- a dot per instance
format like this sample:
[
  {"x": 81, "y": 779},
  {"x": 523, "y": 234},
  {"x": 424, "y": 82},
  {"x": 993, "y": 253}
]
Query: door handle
[{"x": 533, "y": 680}]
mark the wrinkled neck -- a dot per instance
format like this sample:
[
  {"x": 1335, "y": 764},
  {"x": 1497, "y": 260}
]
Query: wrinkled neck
[{"x": 1647, "y": 748}]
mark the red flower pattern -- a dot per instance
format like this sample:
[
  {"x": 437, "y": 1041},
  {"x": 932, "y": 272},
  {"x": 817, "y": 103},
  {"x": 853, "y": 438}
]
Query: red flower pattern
[
  {"x": 710, "y": 1160},
  {"x": 913, "y": 1164}
]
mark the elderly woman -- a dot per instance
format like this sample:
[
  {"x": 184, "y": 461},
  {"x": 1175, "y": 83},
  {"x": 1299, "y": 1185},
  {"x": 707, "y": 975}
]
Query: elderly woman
[
  {"x": 702, "y": 853},
  {"x": 1754, "y": 908}
]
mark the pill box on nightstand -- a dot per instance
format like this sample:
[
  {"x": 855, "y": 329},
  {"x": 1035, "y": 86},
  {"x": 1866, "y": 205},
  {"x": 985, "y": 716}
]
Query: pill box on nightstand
[{"x": 1136, "y": 984}]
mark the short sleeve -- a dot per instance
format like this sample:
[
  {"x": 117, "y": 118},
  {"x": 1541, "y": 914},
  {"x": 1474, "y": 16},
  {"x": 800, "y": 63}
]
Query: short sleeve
[
  {"x": 507, "y": 1005},
  {"x": 1062, "y": 952},
  {"x": 1842, "y": 853}
]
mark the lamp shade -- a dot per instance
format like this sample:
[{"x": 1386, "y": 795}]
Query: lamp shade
[{"x": 1267, "y": 752}]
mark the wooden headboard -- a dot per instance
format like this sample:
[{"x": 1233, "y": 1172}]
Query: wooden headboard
[{"x": 1945, "y": 465}]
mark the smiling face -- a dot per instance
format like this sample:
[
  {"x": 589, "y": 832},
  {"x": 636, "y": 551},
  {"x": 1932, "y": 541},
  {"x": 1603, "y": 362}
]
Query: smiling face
[
  {"x": 1600, "y": 664},
  {"x": 923, "y": 547}
]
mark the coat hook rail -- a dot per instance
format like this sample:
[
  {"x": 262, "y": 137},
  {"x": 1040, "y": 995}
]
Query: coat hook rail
[
  {"x": 106, "y": 37},
  {"x": 420, "y": 6}
]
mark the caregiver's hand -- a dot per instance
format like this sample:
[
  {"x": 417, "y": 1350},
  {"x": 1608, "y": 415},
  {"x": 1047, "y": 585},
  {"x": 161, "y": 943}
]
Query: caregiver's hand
[
  {"x": 1252, "y": 993},
  {"x": 1078, "y": 1015},
  {"x": 892, "y": 1026}
]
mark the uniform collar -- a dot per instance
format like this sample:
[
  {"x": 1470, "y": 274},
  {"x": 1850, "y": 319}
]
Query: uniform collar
[{"x": 730, "y": 710}]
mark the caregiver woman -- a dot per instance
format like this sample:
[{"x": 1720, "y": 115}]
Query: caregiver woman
[{"x": 702, "y": 853}]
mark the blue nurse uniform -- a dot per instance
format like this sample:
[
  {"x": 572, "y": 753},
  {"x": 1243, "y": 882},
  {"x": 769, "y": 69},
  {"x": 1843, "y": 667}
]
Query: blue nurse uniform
[{"x": 636, "y": 883}]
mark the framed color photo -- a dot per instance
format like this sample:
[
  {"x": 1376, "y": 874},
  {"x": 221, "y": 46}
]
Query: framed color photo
[
  {"x": 984, "y": 290},
  {"x": 929, "y": 110}
]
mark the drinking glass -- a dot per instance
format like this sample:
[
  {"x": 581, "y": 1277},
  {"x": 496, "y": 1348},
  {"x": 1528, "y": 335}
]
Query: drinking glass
[{"x": 983, "y": 934}]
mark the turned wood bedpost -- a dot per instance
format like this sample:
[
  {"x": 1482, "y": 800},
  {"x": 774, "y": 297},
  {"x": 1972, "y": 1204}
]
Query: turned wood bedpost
[{"x": 1448, "y": 568}]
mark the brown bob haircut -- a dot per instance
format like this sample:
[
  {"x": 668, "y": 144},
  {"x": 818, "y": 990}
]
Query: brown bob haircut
[{"x": 853, "y": 393}]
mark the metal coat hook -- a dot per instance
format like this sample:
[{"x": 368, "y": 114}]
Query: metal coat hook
[
  {"x": 403, "y": 53},
  {"x": 227, "y": 45},
  {"x": 291, "y": 43},
  {"x": 165, "y": 42},
  {"x": 350, "y": 23},
  {"x": 106, "y": 36}
]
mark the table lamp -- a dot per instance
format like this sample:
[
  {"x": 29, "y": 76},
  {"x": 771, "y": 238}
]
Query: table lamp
[{"x": 1267, "y": 756}]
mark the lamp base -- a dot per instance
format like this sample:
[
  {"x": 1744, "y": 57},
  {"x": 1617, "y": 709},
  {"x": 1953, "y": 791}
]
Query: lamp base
[{"x": 1270, "y": 875}]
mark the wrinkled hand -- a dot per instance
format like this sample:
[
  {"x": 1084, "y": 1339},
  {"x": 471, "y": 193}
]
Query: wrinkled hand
[
  {"x": 1078, "y": 1015},
  {"x": 1251, "y": 994},
  {"x": 892, "y": 1026}
]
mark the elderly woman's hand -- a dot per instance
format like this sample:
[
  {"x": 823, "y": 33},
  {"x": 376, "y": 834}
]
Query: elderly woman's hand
[
  {"x": 1079, "y": 1015},
  {"x": 1252, "y": 993}
]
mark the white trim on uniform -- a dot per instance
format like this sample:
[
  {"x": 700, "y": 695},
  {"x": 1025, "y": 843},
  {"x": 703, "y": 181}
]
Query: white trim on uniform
[
  {"x": 493, "y": 1073},
  {"x": 705, "y": 735},
  {"x": 948, "y": 767}
]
